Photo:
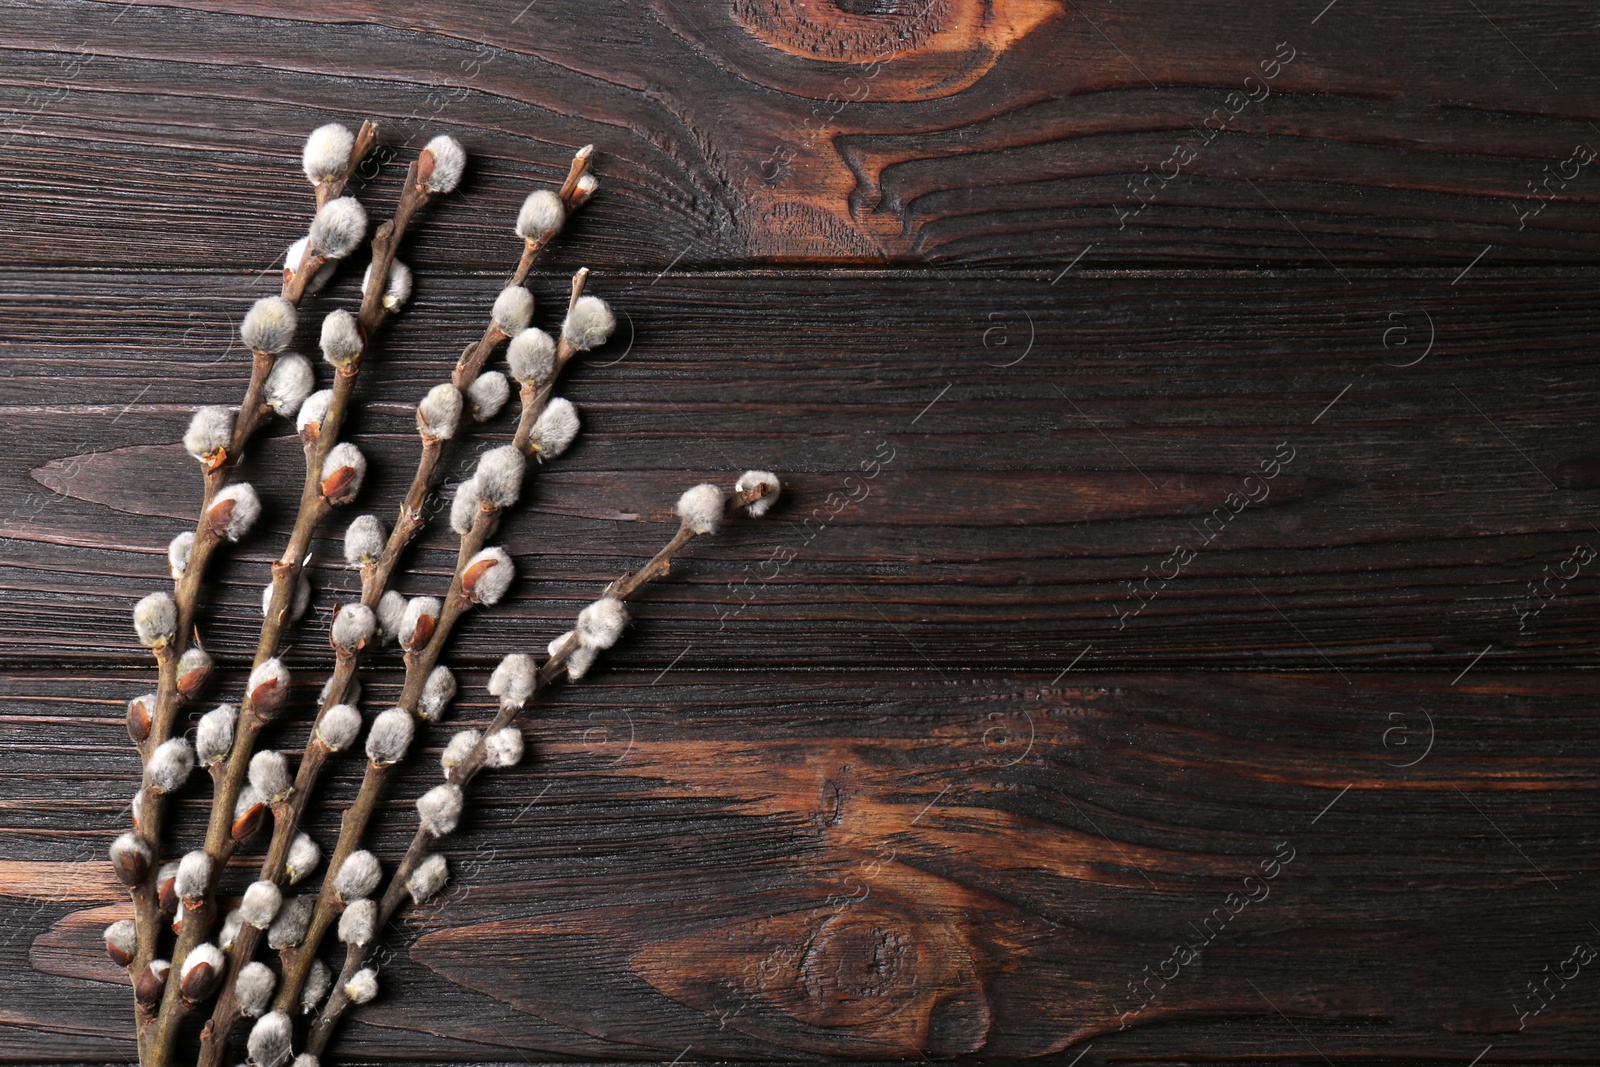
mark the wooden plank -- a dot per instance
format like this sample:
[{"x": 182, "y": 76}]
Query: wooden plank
[
  {"x": 1152, "y": 132},
  {"x": 985, "y": 470},
  {"x": 876, "y": 864}
]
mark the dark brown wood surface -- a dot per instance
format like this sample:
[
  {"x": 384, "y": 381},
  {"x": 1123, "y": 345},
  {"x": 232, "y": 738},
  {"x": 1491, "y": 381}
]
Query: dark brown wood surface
[{"x": 1178, "y": 638}]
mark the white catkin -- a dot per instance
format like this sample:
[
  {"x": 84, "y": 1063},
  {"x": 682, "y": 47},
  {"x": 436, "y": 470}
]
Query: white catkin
[
  {"x": 449, "y": 160},
  {"x": 297, "y": 604},
  {"x": 359, "y": 921},
  {"x": 353, "y": 625},
  {"x": 391, "y": 610},
  {"x": 290, "y": 382},
  {"x": 155, "y": 619},
  {"x": 318, "y": 982},
  {"x": 437, "y": 692},
  {"x": 249, "y": 797},
  {"x": 245, "y": 509},
  {"x": 327, "y": 153},
  {"x": 260, "y": 904},
  {"x": 531, "y": 356},
  {"x": 487, "y": 394},
  {"x": 268, "y": 682},
  {"x": 178, "y": 551},
  {"x": 397, "y": 290},
  {"x": 464, "y": 506},
  {"x": 313, "y": 410},
  {"x": 429, "y": 877},
  {"x": 304, "y": 857},
  {"x": 339, "y": 726},
  {"x": 210, "y": 431},
  {"x": 296, "y": 253},
  {"x": 459, "y": 747},
  {"x": 194, "y": 875},
  {"x": 580, "y": 660},
  {"x": 213, "y": 738},
  {"x": 170, "y": 764},
  {"x": 194, "y": 660},
  {"x": 205, "y": 955},
  {"x": 514, "y": 679},
  {"x": 440, "y": 809},
  {"x": 588, "y": 185},
  {"x": 700, "y": 508},
  {"x": 294, "y": 918},
  {"x": 601, "y": 623},
  {"x": 503, "y": 748},
  {"x": 513, "y": 310},
  {"x": 358, "y": 876},
  {"x": 306, "y": 1059},
  {"x": 131, "y": 853},
  {"x": 589, "y": 324},
  {"x": 555, "y": 428},
  {"x": 542, "y": 215},
  {"x": 341, "y": 340},
  {"x": 230, "y": 930},
  {"x": 754, "y": 479},
  {"x": 339, "y": 227},
  {"x": 269, "y": 1044},
  {"x": 364, "y": 539},
  {"x": 415, "y": 610},
  {"x": 269, "y": 773},
  {"x": 123, "y": 936},
  {"x": 344, "y": 456},
  {"x": 494, "y": 579},
  {"x": 362, "y": 987},
  {"x": 439, "y": 414},
  {"x": 389, "y": 737},
  {"x": 269, "y": 325},
  {"x": 253, "y": 988},
  {"x": 499, "y": 475}
]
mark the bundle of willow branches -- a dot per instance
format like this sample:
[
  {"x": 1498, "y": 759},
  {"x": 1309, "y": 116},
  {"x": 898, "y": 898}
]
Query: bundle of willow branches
[{"x": 183, "y": 953}]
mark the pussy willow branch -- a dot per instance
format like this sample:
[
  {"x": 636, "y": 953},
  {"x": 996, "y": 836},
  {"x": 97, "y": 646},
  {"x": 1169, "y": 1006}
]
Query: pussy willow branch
[
  {"x": 253, "y": 413},
  {"x": 356, "y": 955},
  {"x": 375, "y": 578},
  {"x": 229, "y": 776},
  {"x": 419, "y": 665}
]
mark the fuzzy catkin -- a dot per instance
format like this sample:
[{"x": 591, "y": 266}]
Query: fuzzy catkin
[
  {"x": 313, "y": 411},
  {"x": 440, "y": 809},
  {"x": 297, "y": 254},
  {"x": 298, "y": 603},
  {"x": 601, "y": 623},
  {"x": 499, "y": 475},
  {"x": 363, "y": 986},
  {"x": 327, "y": 153},
  {"x": 290, "y": 382},
  {"x": 464, "y": 506},
  {"x": 754, "y": 479},
  {"x": 339, "y": 726},
  {"x": 353, "y": 626},
  {"x": 318, "y": 982},
  {"x": 343, "y": 471},
  {"x": 417, "y": 609},
  {"x": 358, "y": 876},
  {"x": 364, "y": 539},
  {"x": 268, "y": 326},
  {"x": 589, "y": 324},
  {"x": 193, "y": 879},
  {"x": 397, "y": 289},
  {"x": 488, "y": 394},
  {"x": 439, "y": 413},
  {"x": 269, "y": 1044},
  {"x": 514, "y": 679},
  {"x": 305, "y": 855},
  {"x": 503, "y": 748},
  {"x": 491, "y": 572},
  {"x": 391, "y": 612},
  {"x": 339, "y": 227},
  {"x": 235, "y": 508},
  {"x": 389, "y": 737},
  {"x": 210, "y": 431},
  {"x": 155, "y": 619},
  {"x": 555, "y": 428},
  {"x": 700, "y": 508},
  {"x": 513, "y": 310},
  {"x": 359, "y": 921},
  {"x": 428, "y": 878},
  {"x": 260, "y": 904},
  {"x": 213, "y": 737},
  {"x": 253, "y": 988},
  {"x": 542, "y": 214},
  {"x": 294, "y": 918},
  {"x": 269, "y": 773},
  {"x": 449, "y": 160},
  {"x": 531, "y": 356},
  {"x": 179, "y": 549},
  {"x": 341, "y": 339},
  {"x": 458, "y": 749},
  {"x": 169, "y": 765},
  {"x": 437, "y": 692}
]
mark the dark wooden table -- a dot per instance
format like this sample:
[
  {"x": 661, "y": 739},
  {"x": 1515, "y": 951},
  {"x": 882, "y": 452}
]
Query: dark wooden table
[{"x": 1178, "y": 639}]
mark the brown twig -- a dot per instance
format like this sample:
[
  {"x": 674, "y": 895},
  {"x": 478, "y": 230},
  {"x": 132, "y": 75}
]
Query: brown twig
[
  {"x": 229, "y": 776},
  {"x": 356, "y": 955}
]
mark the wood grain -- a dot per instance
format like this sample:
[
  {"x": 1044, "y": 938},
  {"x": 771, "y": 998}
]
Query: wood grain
[
  {"x": 873, "y": 866},
  {"x": 1177, "y": 638},
  {"x": 983, "y": 470},
  {"x": 949, "y": 131}
]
